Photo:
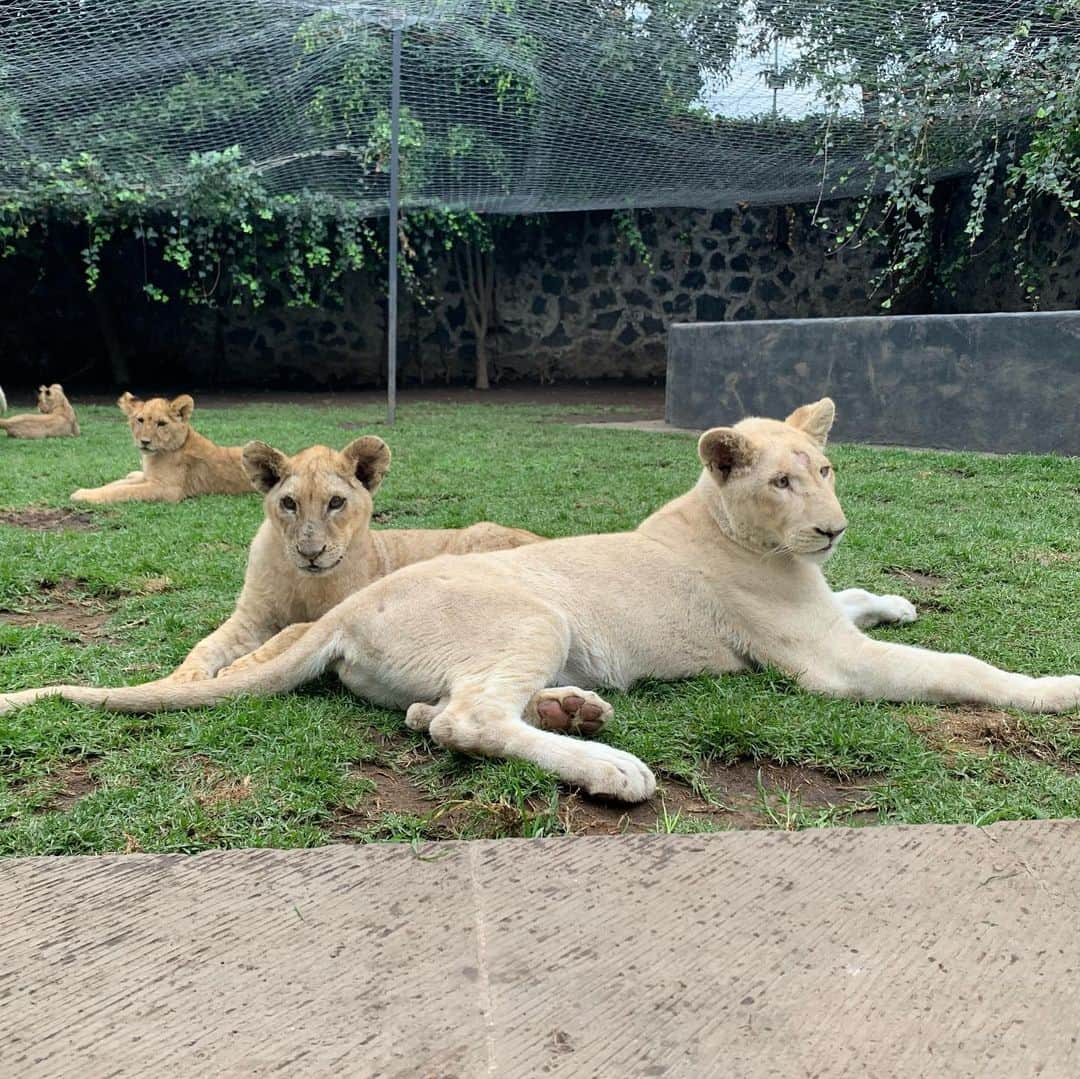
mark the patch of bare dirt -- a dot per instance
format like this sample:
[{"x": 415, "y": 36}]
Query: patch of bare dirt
[
  {"x": 982, "y": 731},
  {"x": 76, "y": 781},
  {"x": 215, "y": 787},
  {"x": 917, "y": 578},
  {"x": 1054, "y": 558},
  {"x": 743, "y": 795},
  {"x": 46, "y": 520},
  {"x": 63, "y": 605}
]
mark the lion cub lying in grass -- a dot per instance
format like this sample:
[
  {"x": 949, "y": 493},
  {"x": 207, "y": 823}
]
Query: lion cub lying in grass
[
  {"x": 55, "y": 419},
  {"x": 481, "y": 649},
  {"x": 177, "y": 462},
  {"x": 316, "y": 547}
]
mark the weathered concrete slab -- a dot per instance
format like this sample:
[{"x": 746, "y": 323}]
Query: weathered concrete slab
[
  {"x": 876, "y": 952},
  {"x": 1003, "y": 383}
]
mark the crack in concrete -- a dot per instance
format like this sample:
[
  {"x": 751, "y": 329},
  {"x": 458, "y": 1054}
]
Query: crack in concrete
[{"x": 482, "y": 958}]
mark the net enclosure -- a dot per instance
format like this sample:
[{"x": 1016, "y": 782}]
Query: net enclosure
[{"x": 507, "y": 105}]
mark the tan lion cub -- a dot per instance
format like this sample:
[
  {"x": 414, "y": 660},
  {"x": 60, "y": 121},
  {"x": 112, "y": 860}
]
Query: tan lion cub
[
  {"x": 55, "y": 419},
  {"x": 177, "y": 462},
  {"x": 479, "y": 647},
  {"x": 316, "y": 547}
]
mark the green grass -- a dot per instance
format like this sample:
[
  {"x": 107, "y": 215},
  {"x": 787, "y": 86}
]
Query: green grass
[{"x": 1000, "y": 533}]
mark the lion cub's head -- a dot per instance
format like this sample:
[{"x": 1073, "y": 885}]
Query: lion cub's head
[
  {"x": 319, "y": 500},
  {"x": 50, "y": 398},
  {"x": 772, "y": 487},
  {"x": 157, "y": 425}
]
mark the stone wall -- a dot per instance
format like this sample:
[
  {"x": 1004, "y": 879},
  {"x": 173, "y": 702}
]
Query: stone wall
[{"x": 571, "y": 302}]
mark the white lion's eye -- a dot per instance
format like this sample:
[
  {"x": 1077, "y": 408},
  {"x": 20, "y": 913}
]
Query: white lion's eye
[
  {"x": 825, "y": 470},
  {"x": 782, "y": 482}
]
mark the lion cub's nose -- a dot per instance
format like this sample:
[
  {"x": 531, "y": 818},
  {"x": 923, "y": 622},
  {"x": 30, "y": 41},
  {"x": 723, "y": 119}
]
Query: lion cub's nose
[
  {"x": 309, "y": 552},
  {"x": 145, "y": 441}
]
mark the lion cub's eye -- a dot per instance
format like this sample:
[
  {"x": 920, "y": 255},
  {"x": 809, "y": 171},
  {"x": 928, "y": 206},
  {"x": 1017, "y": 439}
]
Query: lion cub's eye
[
  {"x": 138, "y": 419},
  {"x": 782, "y": 482},
  {"x": 288, "y": 504},
  {"x": 825, "y": 470},
  {"x": 161, "y": 423},
  {"x": 337, "y": 502}
]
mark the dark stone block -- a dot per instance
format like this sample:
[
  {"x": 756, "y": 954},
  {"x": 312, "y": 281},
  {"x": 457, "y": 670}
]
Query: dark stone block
[
  {"x": 694, "y": 279},
  {"x": 240, "y": 338},
  {"x": 603, "y": 258},
  {"x": 769, "y": 291},
  {"x": 637, "y": 298},
  {"x": 740, "y": 263},
  {"x": 717, "y": 262},
  {"x": 739, "y": 284},
  {"x": 711, "y": 309},
  {"x": 551, "y": 284},
  {"x": 568, "y": 306},
  {"x": 785, "y": 277},
  {"x": 628, "y": 336},
  {"x": 662, "y": 285},
  {"x": 276, "y": 325},
  {"x": 694, "y": 261},
  {"x": 1003, "y": 383},
  {"x": 326, "y": 328},
  {"x": 682, "y": 303},
  {"x": 745, "y": 313},
  {"x": 556, "y": 339},
  {"x": 651, "y": 325},
  {"x": 607, "y": 320},
  {"x": 578, "y": 282},
  {"x": 603, "y": 298},
  {"x": 539, "y": 305},
  {"x": 721, "y": 222}
]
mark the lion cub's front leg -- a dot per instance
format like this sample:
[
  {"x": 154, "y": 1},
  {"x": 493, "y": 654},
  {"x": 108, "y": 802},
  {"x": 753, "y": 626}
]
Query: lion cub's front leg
[
  {"x": 273, "y": 648},
  {"x": 127, "y": 490},
  {"x": 865, "y": 609}
]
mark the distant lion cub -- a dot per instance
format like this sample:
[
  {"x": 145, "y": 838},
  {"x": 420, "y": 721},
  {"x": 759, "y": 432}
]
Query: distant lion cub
[
  {"x": 55, "y": 418},
  {"x": 177, "y": 462}
]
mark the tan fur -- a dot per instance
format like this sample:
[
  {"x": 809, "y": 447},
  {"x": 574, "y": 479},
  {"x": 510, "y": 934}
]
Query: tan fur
[
  {"x": 308, "y": 556},
  {"x": 725, "y": 577},
  {"x": 55, "y": 418},
  {"x": 177, "y": 462}
]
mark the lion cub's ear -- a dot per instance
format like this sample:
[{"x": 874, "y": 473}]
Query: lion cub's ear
[
  {"x": 723, "y": 449},
  {"x": 369, "y": 459},
  {"x": 127, "y": 401},
  {"x": 57, "y": 389},
  {"x": 265, "y": 466},
  {"x": 816, "y": 419},
  {"x": 183, "y": 406}
]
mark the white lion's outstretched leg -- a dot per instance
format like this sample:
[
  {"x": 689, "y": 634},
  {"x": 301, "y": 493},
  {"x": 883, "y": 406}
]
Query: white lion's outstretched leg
[
  {"x": 565, "y": 709},
  {"x": 866, "y": 609},
  {"x": 492, "y": 727}
]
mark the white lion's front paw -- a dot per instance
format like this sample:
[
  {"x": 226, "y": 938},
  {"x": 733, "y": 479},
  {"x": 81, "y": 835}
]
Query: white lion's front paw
[
  {"x": 1054, "y": 694},
  {"x": 896, "y": 609},
  {"x": 620, "y": 775}
]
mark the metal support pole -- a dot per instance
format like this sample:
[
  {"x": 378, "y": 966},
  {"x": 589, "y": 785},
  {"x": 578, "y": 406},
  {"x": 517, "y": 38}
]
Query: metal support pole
[{"x": 396, "y": 23}]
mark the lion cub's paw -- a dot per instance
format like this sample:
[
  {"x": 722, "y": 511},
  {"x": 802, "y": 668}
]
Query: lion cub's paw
[
  {"x": 244, "y": 663},
  {"x": 568, "y": 710},
  {"x": 192, "y": 674},
  {"x": 83, "y": 495},
  {"x": 897, "y": 609}
]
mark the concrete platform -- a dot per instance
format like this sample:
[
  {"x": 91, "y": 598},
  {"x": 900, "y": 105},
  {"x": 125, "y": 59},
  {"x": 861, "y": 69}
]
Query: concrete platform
[
  {"x": 877, "y": 952},
  {"x": 998, "y": 383}
]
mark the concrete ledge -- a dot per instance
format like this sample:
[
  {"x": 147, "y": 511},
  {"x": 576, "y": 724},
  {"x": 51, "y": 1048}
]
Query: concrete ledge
[
  {"x": 931, "y": 951},
  {"x": 1003, "y": 383}
]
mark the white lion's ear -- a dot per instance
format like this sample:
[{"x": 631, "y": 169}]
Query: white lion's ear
[
  {"x": 723, "y": 449},
  {"x": 369, "y": 460},
  {"x": 815, "y": 420},
  {"x": 265, "y": 466}
]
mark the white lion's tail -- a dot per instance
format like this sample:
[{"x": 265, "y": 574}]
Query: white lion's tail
[{"x": 304, "y": 660}]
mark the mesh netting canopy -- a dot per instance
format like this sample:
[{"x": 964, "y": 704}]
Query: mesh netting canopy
[{"x": 507, "y": 105}]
